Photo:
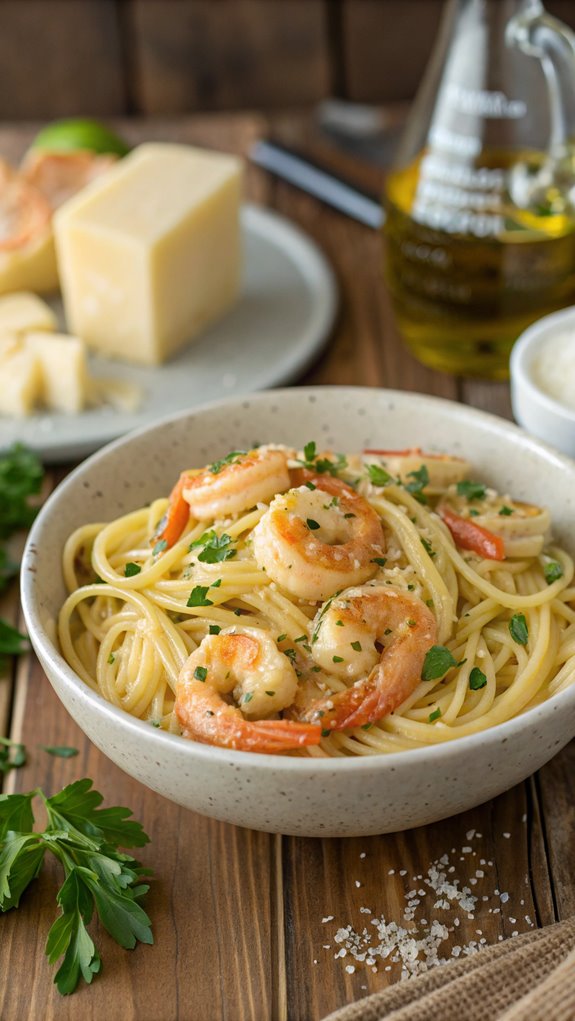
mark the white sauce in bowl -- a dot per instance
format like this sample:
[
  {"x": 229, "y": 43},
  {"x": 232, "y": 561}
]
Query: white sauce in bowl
[{"x": 553, "y": 368}]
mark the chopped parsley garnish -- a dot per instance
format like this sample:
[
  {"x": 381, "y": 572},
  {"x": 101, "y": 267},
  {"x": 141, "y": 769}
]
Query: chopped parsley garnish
[
  {"x": 366, "y": 726},
  {"x": 349, "y": 515},
  {"x": 339, "y": 623},
  {"x": 12, "y": 643},
  {"x": 248, "y": 697},
  {"x": 411, "y": 623},
  {"x": 270, "y": 693},
  {"x": 378, "y": 476},
  {"x": 337, "y": 659},
  {"x": 216, "y": 584},
  {"x": 428, "y": 548},
  {"x": 505, "y": 511},
  {"x": 198, "y": 596},
  {"x": 291, "y": 654},
  {"x": 411, "y": 588},
  {"x": 325, "y": 733},
  {"x": 200, "y": 673},
  {"x": 281, "y": 638},
  {"x": 518, "y": 629},
  {"x": 131, "y": 569},
  {"x": 310, "y": 485},
  {"x": 420, "y": 479},
  {"x": 334, "y": 502},
  {"x": 471, "y": 490},
  {"x": 356, "y": 646},
  {"x": 111, "y": 658},
  {"x": 312, "y": 525},
  {"x": 434, "y": 715},
  {"x": 216, "y": 548},
  {"x": 438, "y": 660},
  {"x": 473, "y": 513},
  {"x": 159, "y": 547},
  {"x": 477, "y": 679},
  {"x": 552, "y": 571},
  {"x": 322, "y": 465},
  {"x": 230, "y": 458},
  {"x": 12, "y": 756},
  {"x": 85, "y": 840},
  {"x": 214, "y": 629},
  {"x": 61, "y": 751},
  {"x": 380, "y": 561}
]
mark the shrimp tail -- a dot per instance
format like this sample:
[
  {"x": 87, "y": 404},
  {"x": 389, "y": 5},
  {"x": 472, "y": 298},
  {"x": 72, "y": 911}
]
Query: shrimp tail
[
  {"x": 176, "y": 517},
  {"x": 359, "y": 706},
  {"x": 263, "y": 736}
]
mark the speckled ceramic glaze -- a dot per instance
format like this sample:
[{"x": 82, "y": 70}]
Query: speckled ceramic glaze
[{"x": 335, "y": 797}]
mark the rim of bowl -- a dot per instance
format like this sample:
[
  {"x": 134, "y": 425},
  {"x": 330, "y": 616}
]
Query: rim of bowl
[
  {"x": 47, "y": 650},
  {"x": 531, "y": 339}
]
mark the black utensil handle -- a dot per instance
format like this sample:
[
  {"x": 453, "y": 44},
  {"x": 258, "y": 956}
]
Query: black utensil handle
[{"x": 319, "y": 182}]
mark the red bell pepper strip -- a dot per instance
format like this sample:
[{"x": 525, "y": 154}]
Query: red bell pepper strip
[{"x": 471, "y": 536}]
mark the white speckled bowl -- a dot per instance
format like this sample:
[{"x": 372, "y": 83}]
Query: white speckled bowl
[{"x": 333, "y": 797}]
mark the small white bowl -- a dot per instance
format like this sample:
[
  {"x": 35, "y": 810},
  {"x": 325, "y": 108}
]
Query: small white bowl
[
  {"x": 535, "y": 410},
  {"x": 303, "y": 796}
]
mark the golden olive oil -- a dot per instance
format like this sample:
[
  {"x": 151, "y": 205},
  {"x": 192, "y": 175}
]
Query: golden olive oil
[{"x": 474, "y": 253}]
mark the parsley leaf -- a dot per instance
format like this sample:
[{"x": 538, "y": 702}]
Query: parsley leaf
[
  {"x": 12, "y": 755},
  {"x": 61, "y": 751},
  {"x": 230, "y": 458},
  {"x": 378, "y": 476},
  {"x": 552, "y": 571},
  {"x": 434, "y": 715},
  {"x": 20, "y": 478},
  {"x": 85, "y": 840},
  {"x": 216, "y": 548},
  {"x": 131, "y": 570},
  {"x": 380, "y": 561},
  {"x": 198, "y": 596},
  {"x": 312, "y": 525},
  {"x": 438, "y": 660},
  {"x": 518, "y": 629},
  {"x": 505, "y": 511},
  {"x": 322, "y": 465},
  {"x": 428, "y": 548},
  {"x": 200, "y": 673},
  {"x": 477, "y": 679},
  {"x": 420, "y": 481},
  {"x": 12, "y": 643},
  {"x": 471, "y": 490}
]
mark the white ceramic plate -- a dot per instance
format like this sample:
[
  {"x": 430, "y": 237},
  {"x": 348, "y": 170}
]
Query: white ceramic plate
[{"x": 273, "y": 333}]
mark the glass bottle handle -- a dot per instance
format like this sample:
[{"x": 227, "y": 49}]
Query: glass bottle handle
[{"x": 539, "y": 35}]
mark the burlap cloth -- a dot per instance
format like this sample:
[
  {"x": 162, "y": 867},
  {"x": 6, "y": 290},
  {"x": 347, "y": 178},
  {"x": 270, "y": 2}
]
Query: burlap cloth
[{"x": 526, "y": 978}]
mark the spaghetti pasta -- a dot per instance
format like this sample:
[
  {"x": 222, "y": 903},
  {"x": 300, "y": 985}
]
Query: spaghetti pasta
[{"x": 476, "y": 569}]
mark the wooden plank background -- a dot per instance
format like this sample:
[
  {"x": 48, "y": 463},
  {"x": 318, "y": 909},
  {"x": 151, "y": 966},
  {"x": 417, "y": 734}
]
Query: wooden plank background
[{"x": 165, "y": 57}]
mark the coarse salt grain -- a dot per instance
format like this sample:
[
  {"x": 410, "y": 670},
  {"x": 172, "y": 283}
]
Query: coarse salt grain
[{"x": 328, "y": 918}]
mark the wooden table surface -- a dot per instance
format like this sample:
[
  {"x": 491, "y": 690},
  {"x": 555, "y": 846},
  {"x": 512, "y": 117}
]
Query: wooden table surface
[{"x": 238, "y": 915}]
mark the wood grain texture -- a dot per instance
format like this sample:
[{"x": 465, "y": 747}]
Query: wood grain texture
[
  {"x": 59, "y": 58},
  {"x": 238, "y": 915},
  {"x": 202, "y": 55},
  {"x": 386, "y": 47}
]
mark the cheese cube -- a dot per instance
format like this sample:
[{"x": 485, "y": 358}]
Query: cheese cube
[
  {"x": 149, "y": 254},
  {"x": 20, "y": 382},
  {"x": 62, "y": 362},
  {"x": 25, "y": 311}
]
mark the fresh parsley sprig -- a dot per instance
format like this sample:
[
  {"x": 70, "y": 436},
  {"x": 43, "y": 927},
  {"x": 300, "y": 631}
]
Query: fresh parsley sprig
[{"x": 98, "y": 876}]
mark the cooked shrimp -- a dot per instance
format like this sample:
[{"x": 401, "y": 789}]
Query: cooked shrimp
[
  {"x": 314, "y": 541},
  {"x": 443, "y": 470},
  {"x": 247, "y": 663},
  {"x": 238, "y": 482},
  {"x": 347, "y": 629},
  {"x": 59, "y": 175},
  {"x": 24, "y": 212}
]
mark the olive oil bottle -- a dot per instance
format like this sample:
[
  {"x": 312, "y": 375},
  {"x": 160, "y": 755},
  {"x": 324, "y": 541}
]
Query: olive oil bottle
[
  {"x": 480, "y": 204},
  {"x": 461, "y": 299}
]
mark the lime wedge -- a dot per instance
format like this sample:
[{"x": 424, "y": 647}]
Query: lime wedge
[{"x": 79, "y": 133}]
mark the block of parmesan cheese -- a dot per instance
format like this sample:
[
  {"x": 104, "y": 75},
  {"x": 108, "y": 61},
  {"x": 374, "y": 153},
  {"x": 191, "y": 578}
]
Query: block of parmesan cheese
[
  {"x": 20, "y": 382},
  {"x": 25, "y": 311},
  {"x": 63, "y": 372},
  {"x": 150, "y": 254}
]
